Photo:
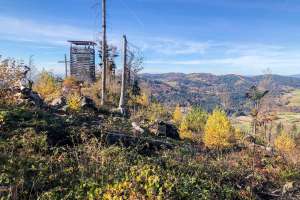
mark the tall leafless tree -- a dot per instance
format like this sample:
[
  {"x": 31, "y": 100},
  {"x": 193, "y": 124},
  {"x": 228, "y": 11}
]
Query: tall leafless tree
[
  {"x": 124, "y": 82},
  {"x": 103, "y": 94}
]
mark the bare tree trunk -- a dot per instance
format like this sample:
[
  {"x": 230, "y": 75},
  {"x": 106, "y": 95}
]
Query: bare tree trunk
[
  {"x": 123, "y": 87},
  {"x": 103, "y": 96},
  {"x": 66, "y": 66}
]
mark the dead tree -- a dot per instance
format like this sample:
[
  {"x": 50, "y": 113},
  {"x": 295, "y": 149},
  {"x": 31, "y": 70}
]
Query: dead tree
[
  {"x": 111, "y": 65},
  {"x": 123, "y": 87},
  {"x": 134, "y": 63},
  {"x": 255, "y": 96},
  {"x": 103, "y": 94}
]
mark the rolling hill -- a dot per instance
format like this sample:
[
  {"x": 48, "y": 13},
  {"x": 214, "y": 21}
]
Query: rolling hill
[{"x": 209, "y": 91}]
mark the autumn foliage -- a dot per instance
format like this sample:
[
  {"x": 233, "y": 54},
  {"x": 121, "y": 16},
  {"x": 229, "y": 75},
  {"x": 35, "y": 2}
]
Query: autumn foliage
[
  {"x": 73, "y": 102},
  {"x": 284, "y": 143},
  {"x": 177, "y": 115},
  {"x": 218, "y": 131},
  {"x": 69, "y": 82},
  {"x": 143, "y": 100},
  {"x": 47, "y": 86}
]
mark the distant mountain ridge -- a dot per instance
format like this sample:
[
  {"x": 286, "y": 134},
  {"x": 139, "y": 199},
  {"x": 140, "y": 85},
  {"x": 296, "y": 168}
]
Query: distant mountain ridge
[
  {"x": 209, "y": 91},
  {"x": 295, "y": 75}
]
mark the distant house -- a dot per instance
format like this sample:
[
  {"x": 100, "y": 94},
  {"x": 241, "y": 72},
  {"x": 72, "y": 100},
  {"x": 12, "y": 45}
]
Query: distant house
[{"x": 82, "y": 60}]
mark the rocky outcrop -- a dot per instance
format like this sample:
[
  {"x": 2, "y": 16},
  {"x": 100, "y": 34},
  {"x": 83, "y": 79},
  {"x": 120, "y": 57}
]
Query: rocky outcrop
[
  {"x": 59, "y": 102},
  {"x": 27, "y": 96},
  {"x": 137, "y": 128},
  {"x": 146, "y": 144},
  {"x": 88, "y": 103},
  {"x": 164, "y": 129}
]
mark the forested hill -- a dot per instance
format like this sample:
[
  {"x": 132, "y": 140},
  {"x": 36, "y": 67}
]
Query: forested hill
[{"x": 210, "y": 90}]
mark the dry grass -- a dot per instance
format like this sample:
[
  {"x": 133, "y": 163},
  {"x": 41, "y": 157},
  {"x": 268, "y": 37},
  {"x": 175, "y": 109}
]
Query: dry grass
[{"x": 294, "y": 98}]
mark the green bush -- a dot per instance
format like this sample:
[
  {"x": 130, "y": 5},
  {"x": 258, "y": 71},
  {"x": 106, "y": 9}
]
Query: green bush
[
  {"x": 192, "y": 126},
  {"x": 152, "y": 113}
]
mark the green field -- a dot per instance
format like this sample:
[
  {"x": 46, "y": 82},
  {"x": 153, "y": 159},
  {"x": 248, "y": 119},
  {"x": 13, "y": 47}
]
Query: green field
[
  {"x": 288, "y": 119},
  {"x": 294, "y": 98}
]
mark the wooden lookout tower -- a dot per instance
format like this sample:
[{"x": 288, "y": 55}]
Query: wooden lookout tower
[{"x": 82, "y": 60}]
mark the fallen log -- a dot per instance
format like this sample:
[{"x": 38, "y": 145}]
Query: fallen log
[{"x": 128, "y": 140}]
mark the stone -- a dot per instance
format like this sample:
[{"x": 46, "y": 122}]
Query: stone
[
  {"x": 163, "y": 129},
  {"x": 36, "y": 98},
  {"x": 26, "y": 95},
  {"x": 288, "y": 187},
  {"x": 59, "y": 102},
  {"x": 269, "y": 149},
  {"x": 87, "y": 103},
  {"x": 101, "y": 117},
  {"x": 65, "y": 108},
  {"x": 137, "y": 128}
]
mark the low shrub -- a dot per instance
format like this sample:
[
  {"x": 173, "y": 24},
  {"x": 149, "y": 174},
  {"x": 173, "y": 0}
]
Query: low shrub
[
  {"x": 47, "y": 86},
  {"x": 285, "y": 144},
  {"x": 74, "y": 102}
]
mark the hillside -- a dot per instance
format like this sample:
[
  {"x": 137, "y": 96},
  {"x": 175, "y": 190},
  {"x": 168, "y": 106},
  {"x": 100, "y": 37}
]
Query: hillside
[
  {"x": 295, "y": 76},
  {"x": 209, "y": 91},
  {"x": 56, "y": 142}
]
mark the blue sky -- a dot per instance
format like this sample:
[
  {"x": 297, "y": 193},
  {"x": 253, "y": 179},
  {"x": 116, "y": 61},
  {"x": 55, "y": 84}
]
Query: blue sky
[{"x": 214, "y": 36}]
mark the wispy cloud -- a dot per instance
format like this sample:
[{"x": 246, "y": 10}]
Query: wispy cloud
[
  {"x": 173, "y": 46},
  {"x": 24, "y": 30},
  {"x": 248, "y": 58}
]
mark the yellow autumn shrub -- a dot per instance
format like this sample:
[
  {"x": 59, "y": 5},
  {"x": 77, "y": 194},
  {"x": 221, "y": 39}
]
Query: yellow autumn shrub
[
  {"x": 70, "y": 82},
  {"x": 218, "y": 131},
  {"x": 143, "y": 100},
  {"x": 184, "y": 131},
  {"x": 284, "y": 143},
  {"x": 74, "y": 102},
  {"x": 177, "y": 115},
  {"x": 156, "y": 111},
  {"x": 47, "y": 86}
]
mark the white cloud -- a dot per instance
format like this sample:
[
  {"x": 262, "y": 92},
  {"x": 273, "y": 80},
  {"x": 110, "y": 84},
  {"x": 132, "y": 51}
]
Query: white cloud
[
  {"x": 168, "y": 46},
  {"x": 246, "y": 58},
  {"x": 25, "y": 30}
]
